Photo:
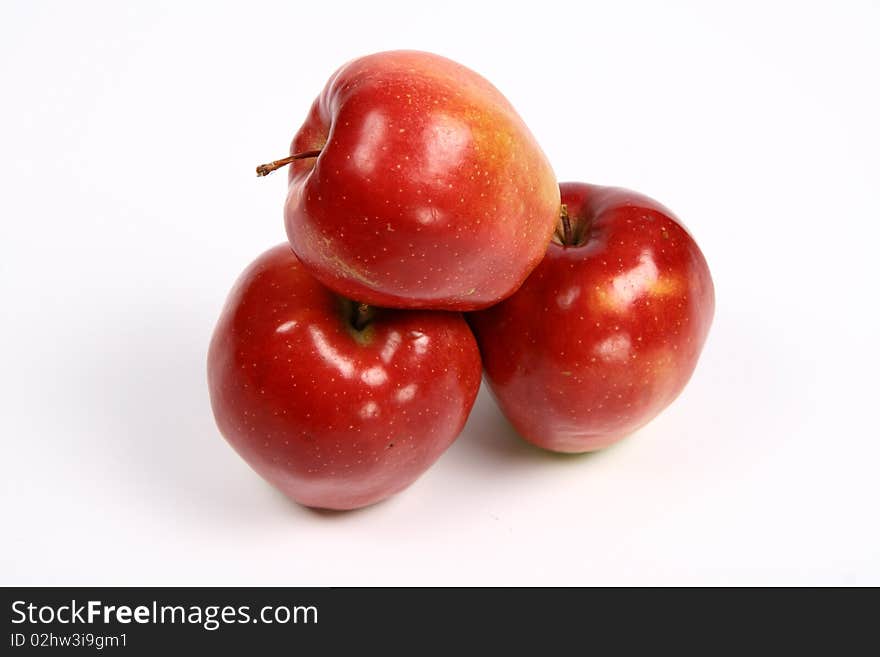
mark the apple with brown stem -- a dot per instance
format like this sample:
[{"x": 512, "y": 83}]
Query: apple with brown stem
[
  {"x": 607, "y": 330},
  {"x": 415, "y": 184}
]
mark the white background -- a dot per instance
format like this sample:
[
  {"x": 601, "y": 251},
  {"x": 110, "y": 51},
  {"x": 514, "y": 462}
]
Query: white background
[{"x": 129, "y": 135}]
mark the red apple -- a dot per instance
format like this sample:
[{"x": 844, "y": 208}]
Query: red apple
[
  {"x": 607, "y": 330},
  {"x": 336, "y": 404},
  {"x": 418, "y": 186}
]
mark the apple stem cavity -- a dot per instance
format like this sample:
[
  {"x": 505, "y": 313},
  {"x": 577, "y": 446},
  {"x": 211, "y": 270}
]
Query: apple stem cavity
[
  {"x": 571, "y": 232},
  {"x": 269, "y": 167},
  {"x": 564, "y": 232},
  {"x": 362, "y": 314}
]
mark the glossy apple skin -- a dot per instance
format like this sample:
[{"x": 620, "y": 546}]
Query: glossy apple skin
[
  {"x": 332, "y": 417},
  {"x": 605, "y": 334},
  {"x": 429, "y": 192}
]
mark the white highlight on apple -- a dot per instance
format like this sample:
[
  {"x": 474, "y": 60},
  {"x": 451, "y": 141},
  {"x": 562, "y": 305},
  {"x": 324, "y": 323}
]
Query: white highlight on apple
[
  {"x": 406, "y": 393},
  {"x": 369, "y": 410},
  {"x": 630, "y": 285},
  {"x": 374, "y": 376},
  {"x": 420, "y": 343},
  {"x": 373, "y": 137},
  {"x": 287, "y": 327},
  {"x": 329, "y": 354},
  {"x": 390, "y": 347},
  {"x": 568, "y": 297},
  {"x": 615, "y": 348}
]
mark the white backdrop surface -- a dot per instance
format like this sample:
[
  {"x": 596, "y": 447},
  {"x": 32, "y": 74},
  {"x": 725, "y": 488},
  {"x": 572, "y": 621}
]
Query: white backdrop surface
[{"x": 129, "y": 134}]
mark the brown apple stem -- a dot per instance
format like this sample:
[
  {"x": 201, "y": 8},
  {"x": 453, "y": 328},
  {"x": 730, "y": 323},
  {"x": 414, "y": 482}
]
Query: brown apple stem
[
  {"x": 269, "y": 167},
  {"x": 566, "y": 226},
  {"x": 362, "y": 316}
]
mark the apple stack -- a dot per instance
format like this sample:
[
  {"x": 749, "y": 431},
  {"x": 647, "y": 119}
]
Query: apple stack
[{"x": 428, "y": 243}]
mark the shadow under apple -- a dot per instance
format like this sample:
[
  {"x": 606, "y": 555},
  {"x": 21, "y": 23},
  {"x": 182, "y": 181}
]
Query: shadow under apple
[{"x": 489, "y": 438}]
